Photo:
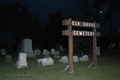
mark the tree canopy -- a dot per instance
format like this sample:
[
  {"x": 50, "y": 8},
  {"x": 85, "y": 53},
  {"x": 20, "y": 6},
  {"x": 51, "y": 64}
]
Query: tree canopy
[
  {"x": 18, "y": 21},
  {"x": 54, "y": 28},
  {"x": 111, "y": 5},
  {"x": 85, "y": 12}
]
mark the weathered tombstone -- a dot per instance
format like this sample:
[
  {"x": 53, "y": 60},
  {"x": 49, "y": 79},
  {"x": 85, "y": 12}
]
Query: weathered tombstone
[
  {"x": 64, "y": 59},
  {"x": 47, "y": 61},
  {"x": 37, "y": 52},
  {"x": 27, "y": 47},
  {"x": 3, "y": 51},
  {"x": 47, "y": 54},
  {"x": 52, "y": 51},
  {"x": 75, "y": 59},
  {"x": 8, "y": 58},
  {"x": 98, "y": 51},
  {"x": 57, "y": 54},
  {"x": 80, "y": 59},
  {"x": 44, "y": 51},
  {"x": 85, "y": 58},
  {"x": 39, "y": 62},
  {"x": 21, "y": 63}
]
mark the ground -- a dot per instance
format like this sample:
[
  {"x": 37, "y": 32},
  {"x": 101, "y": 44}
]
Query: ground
[{"x": 108, "y": 68}]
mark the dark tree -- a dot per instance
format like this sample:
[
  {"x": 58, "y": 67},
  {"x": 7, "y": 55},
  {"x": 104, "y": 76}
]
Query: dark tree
[
  {"x": 54, "y": 29},
  {"x": 15, "y": 17},
  {"x": 17, "y": 21},
  {"x": 85, "y": 13},
  {"x": 36, "y": 32},
  {"x": 112, "y": 6}
]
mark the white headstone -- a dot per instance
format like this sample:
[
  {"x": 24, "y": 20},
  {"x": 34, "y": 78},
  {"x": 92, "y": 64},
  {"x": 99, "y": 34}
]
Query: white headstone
[
  {"x": 57, "y": 54},
  {"x": 52, "y": 51},
  {"x": 8, "y": 58},
  {"x": 47, "y": 54},
  {"x": 80, "y": 59},
  {"x": 37, "y": 52},
  {"x": 64, "y": 59},
  {"x": 47, "y": 61},
  {"x": 21, "y": 60},
  {"x": 75, "y": 59},
  {"x": 44, "y": 51},
  {"x": 27, "y": 47},
  {"x": 3, "y": 51},
  {"x": 85, "y": 58},
  {"x": 98, "y": 51},
  {"x": 39, "y": 62}
]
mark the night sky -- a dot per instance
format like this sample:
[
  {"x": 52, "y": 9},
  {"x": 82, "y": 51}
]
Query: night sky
[
  {"x": 66, "y": 7},
  {"x": 44, "y": 7}
]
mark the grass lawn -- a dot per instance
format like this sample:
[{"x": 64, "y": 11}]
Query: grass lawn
[{"x": 108, "y": 68}]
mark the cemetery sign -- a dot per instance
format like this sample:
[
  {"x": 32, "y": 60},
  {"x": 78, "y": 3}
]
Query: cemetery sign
[
  {"x": 80, "y": 24},
  {"x": 70, "y": 33},
  {"x": 80, "y": 33}
]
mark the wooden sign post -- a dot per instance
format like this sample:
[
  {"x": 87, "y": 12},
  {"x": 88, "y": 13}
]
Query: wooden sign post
[
  {"x": 70, "y": 40},
  {"x": 71, "y": 33}
]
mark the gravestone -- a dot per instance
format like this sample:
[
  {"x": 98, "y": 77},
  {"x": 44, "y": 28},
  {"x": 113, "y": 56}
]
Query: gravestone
[
  {"x": 39, "y": 62},
  {"x": 47, "y": 54},
  {"x": 27, "y": 47},
  {"x": 37, "y": 52},
  {"x": 47, "y": 61},
  {"x": 80, "y": 59},
  {"x": 57, "y": 54},
  {"x": 21, "y": 63},
  {"x": 85, "y": 58},
  {"x": 75, "y": 59},
  {"x": 44, "y": 51},
  {"x": 52, "y": 51},
  {"x": 8, "y": 58},
  {"x": 64, "y": 59},
  {"x": 98, "y": 51},
  {"x": 3, "y": 51}
]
